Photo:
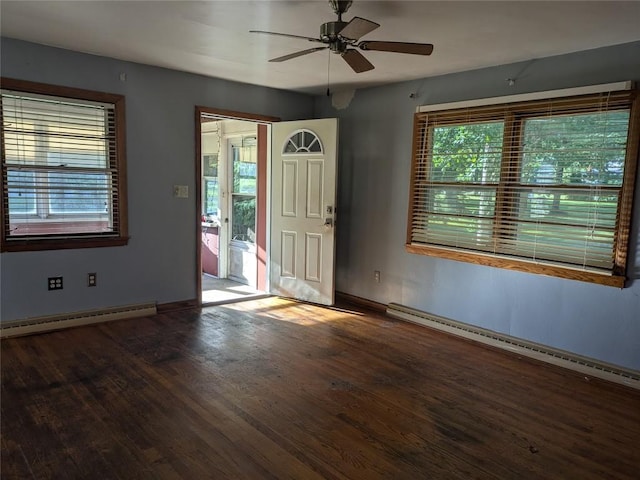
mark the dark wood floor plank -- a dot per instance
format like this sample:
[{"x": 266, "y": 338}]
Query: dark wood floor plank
[
  {"x": 323, "y": 389},
  {"x": 255, "y": 455},
  {"x": 277, "y": 389},
  {"x": 524, "y": 440},
  {"x": 352, "y": 388}
]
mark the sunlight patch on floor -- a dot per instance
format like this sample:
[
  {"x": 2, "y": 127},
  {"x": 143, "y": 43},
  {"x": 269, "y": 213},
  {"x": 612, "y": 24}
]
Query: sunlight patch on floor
[{"x": 305, "y": 314}]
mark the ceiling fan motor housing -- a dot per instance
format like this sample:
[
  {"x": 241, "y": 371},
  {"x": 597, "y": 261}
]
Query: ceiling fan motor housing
[{"x": 329, "y": 34}]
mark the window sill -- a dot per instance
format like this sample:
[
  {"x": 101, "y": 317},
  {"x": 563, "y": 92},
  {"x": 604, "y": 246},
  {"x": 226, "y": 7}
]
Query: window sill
[
  {"x": 30, "y": 245},
  {"x": 518, "y": 265}
]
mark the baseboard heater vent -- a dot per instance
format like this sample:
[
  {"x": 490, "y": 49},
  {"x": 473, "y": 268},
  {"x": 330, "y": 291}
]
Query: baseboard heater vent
[
  {"x": 67, "y": 320},
  {"x": 584, "y": 365}
]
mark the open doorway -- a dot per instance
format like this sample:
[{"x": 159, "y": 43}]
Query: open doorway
[{"x": 232, "y": 170}]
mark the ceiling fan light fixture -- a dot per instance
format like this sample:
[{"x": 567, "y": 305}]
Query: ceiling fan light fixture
[{"x": 338, "y": 47}]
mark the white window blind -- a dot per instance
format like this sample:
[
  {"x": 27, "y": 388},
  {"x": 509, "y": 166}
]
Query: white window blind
[
  {"x": 60, "y": 168},
  {"x": 545, "y": 181}
]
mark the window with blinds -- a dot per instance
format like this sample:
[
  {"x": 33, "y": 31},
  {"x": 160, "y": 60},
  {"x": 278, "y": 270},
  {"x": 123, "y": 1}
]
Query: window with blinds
[
  {"x": 62, "y": 167},
  {"x": 543, "y": 186}
]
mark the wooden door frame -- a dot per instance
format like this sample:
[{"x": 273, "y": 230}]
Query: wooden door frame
[{"x": 261, "y": 195}]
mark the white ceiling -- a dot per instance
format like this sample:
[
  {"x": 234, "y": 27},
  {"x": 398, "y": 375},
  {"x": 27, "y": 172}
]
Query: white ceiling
[{"x": 212, "y": 37}]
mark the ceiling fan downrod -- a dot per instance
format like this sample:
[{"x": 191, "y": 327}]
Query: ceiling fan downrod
[{"x": 340, "y": 7}]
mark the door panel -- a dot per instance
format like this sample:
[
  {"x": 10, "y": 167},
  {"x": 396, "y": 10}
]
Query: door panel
[
  {"x": 313, "y": 262},
  {"x": 288, "y": 254},
  {"x": 315, "y": 179},
  {"x": 289, "y": 188},
  {"x": 304, "y": 155}
]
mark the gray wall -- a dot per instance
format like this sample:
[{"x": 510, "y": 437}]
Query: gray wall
[
  {"x": 158, "y": 265},
  {"x": 375, "y": 157}
]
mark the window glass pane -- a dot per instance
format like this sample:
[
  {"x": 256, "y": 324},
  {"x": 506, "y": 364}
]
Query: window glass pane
[
  {"x": 36, "y": 130},
  {"x": 457, "y": 216},
  {"x": 574, "y": 226},
  {"x": 452, "y": 231},
  {"x": 210, "y": 165},
  {"x": 575, "y": 149},
  {"x": 467, "y": 153},
  {"x": 73, "y": 193},
  {"x": 244, "y": 170},
  {"x": 571, "y": 245},
  {"x": 290, "y": 147},
  {"x": 294, "y": 143},
  {"x": 462, "y": 201},
  {"x": 22, "y": 193},
  {"x": 315, "y": 146},
  {"x": 243, "y": 218},
  {"x": 569, "y": 207},
  {"x": 211, "y": 193}
]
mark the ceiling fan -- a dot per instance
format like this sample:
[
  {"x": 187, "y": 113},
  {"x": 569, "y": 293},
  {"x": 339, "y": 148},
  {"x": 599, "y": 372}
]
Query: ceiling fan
[{"x": 342, "y": 38}]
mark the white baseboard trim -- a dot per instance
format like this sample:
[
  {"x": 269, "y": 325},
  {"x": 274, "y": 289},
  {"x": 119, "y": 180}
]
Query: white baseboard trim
[
  {"x": 583, "y": 365},
  {"x": 67, "y": 320}
]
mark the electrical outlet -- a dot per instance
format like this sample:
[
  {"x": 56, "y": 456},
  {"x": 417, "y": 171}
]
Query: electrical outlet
[
  {"x": 92, "y": 279},
  {"x": 376, "y": 276},
  {"x": 181, "y": 191},
  {"x": 55, "y": 283}
]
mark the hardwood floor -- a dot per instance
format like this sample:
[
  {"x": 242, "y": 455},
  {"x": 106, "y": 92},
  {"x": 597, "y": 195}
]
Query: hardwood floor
[{"x": 273, "y": 389}]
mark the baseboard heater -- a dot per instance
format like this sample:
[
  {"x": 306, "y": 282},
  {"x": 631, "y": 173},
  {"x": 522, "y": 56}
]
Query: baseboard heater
[
  {"x": 584, "y": 365},
  {"x": 66, "y": 320}
]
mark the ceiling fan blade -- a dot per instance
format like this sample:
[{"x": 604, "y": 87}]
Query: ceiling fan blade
[
  {"x": 398, "y": 47},
  {"x": 358, "y": 27},
  {"x": 296, "y": 54},
  {"x": 311, "y": 39},
  {"x": 357, "y": 61}
]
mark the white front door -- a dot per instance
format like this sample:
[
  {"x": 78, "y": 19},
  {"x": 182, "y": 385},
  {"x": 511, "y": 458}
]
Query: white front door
[{"x": 303, "y": 206}]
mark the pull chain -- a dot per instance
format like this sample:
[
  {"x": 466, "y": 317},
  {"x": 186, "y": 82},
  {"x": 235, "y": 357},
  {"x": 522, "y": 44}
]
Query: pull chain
[{"x": 328, "y": 69}]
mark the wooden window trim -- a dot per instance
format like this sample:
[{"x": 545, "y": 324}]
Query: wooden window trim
[
  {"x": 517, "y": 265},
  {"x": 628, "y": 188},
  {"x": 88, "y": 241},
  {"x": 509, "y": 169}
]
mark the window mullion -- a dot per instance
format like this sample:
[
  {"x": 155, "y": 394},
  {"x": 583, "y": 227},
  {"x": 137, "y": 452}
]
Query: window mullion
[{"x": 509, "y": 177}]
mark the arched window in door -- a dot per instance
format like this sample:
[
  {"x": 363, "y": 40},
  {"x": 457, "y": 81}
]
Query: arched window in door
[{"x": 302, "y": 141}]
